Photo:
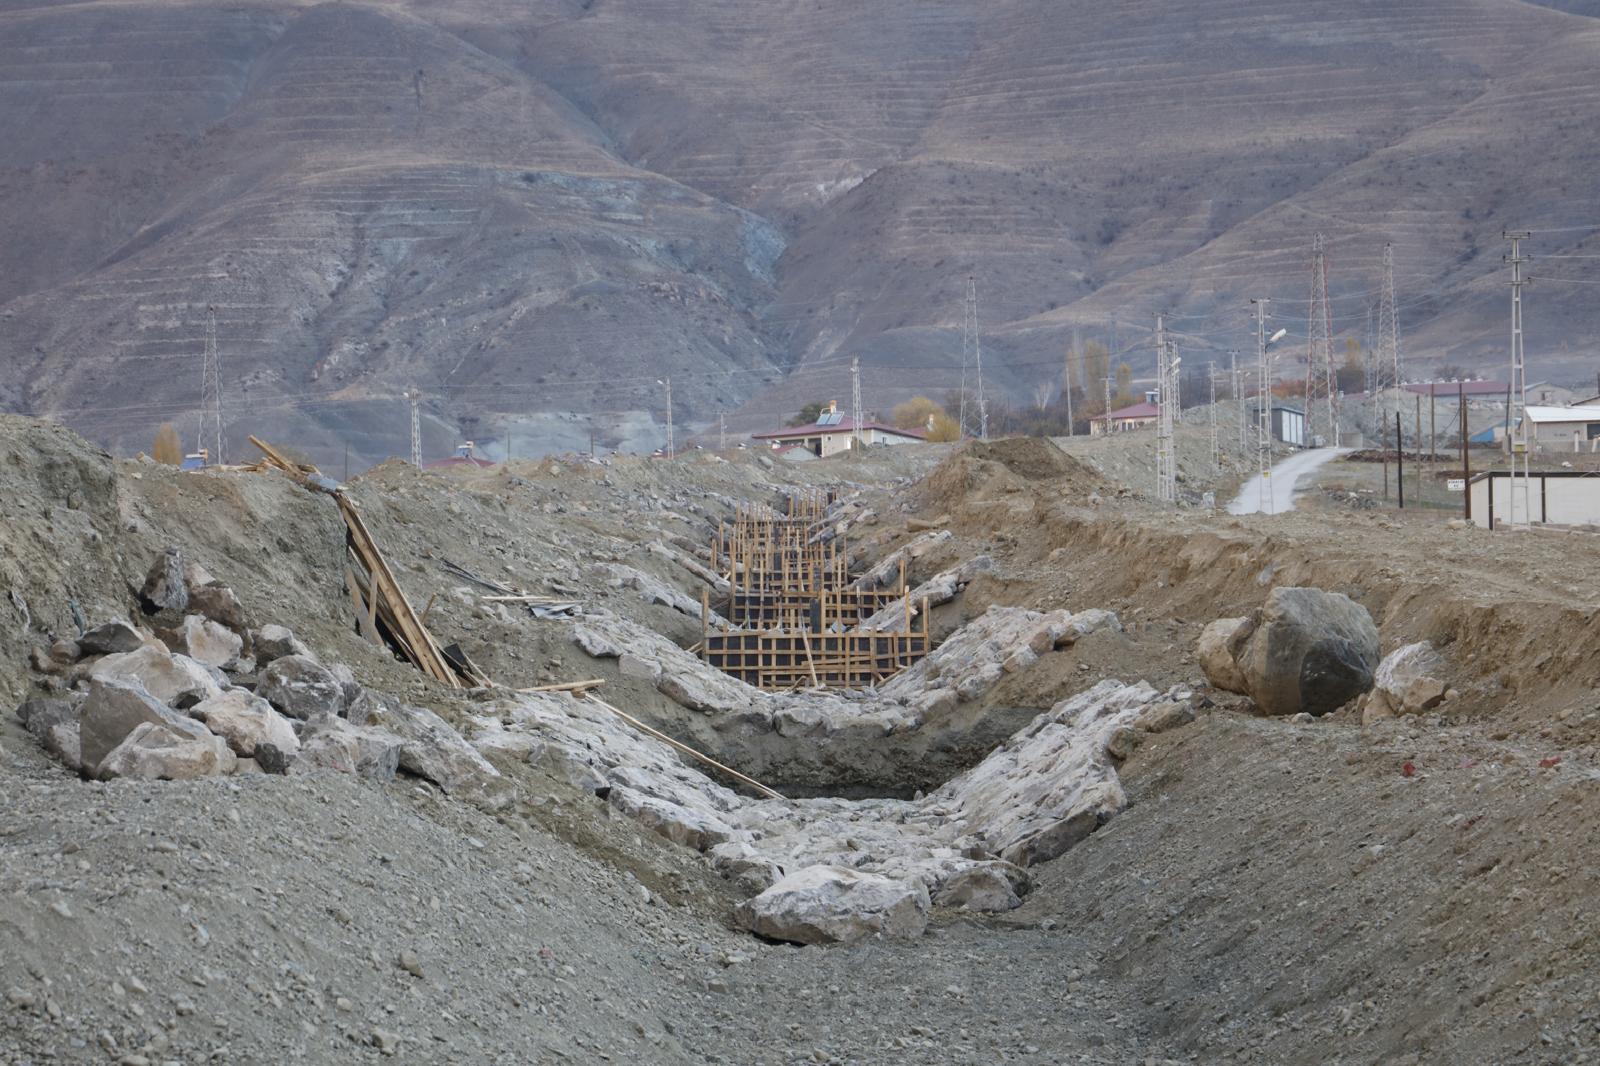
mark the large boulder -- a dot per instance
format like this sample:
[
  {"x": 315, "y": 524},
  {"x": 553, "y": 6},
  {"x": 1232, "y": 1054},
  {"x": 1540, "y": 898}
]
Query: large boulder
[
  {"x": 156, "y": 751},
  {"x": 834, "y": 904},
  {"x": 301, "y": 687},
  {"x": 207, "y": 642},
  {"x": 111, "y": 638},
  {"x": 114, "y": 709},
  {"x": 1307, "y": 650},
  {"x": 173, "y": 679},
  {"x": 246, "y": 721}
]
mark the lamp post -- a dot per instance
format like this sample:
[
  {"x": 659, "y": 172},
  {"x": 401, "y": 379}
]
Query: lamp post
[{"x": 671, "y": 443}]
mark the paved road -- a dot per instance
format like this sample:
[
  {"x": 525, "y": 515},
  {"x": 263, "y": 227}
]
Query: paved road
[{"x": 1281, "y": 482}]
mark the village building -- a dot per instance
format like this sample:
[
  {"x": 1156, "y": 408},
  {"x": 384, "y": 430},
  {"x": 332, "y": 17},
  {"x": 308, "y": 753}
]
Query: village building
[{"x": 832, "y": 433}]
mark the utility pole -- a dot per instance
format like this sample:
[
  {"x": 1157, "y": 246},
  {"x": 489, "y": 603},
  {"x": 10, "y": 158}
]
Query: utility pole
[
  {"x": 1075, "y": 352},
  {"x": 977, "y": 360},
  {"x": 722, "y": 431},
  {"x": 1107, "y": 418},
  {"x": 1516, "y": 407},
  {"x": 1166, "y": 471},
  {"x": 1263, "y": 406},
  {"x": 211, "y": 392},
  {"x": 1322, "y": 403},
  {"x": 672, "y": 444},
  {"x": 1418, "y": 438},
  {"x": 1386, "y": 369},
  {"x": 967, "y": 300},
  {"x": 857, "y": 441},
  {"x": 1466, "y": 464},
  {"x": 1238, "y": 393},
  {"x": 415, "y": 399},
  {"x": 1211, "y": 375},
  {"x": 1400, "y": 462}
]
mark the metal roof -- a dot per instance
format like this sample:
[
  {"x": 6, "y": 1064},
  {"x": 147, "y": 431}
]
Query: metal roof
[{"x": 1539, "y": 414}]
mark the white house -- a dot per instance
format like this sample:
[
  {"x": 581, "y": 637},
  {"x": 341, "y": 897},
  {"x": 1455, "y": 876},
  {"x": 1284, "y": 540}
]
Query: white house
[
  {"x": 833, "y": 433},
  {"x": 1563, "y": 428}
]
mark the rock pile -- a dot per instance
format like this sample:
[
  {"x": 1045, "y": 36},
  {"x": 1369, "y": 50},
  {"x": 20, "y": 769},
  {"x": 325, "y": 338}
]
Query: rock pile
[
  {"x": 180, "y": 697},
  {"x": 1304, "y": 650}
]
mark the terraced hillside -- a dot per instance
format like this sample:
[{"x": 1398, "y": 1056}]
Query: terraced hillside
[{"x": 533, "y": 211}]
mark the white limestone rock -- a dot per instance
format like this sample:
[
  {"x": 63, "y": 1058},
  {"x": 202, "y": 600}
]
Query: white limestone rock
[{"x": 833, "y": 904}]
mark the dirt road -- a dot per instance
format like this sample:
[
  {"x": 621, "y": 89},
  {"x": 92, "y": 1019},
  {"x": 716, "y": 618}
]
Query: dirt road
[{"x": 1277, "y": 495}]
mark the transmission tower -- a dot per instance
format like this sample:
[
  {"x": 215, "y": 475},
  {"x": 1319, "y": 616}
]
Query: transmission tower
[
  {"x": 414, "y": 397},
  {"x": 1166, "y": 400},
  {"x": 1107, "y": 420},
  {"x": 1263, "y": 407},
  {"x": 1517, "y": 405},
  {"x": 1322, "y": 394},
  {"x": 211, "y": 393},
  {"x": 1386, "y": 370},
  {"x": 856, "y": 441}
]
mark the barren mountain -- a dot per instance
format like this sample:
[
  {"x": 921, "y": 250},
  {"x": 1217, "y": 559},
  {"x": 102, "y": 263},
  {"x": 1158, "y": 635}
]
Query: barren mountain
[{"x": 534, "y": 211}]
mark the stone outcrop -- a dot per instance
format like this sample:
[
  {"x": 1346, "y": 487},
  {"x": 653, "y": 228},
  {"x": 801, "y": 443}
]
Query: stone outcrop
[
  {"x": 963, "y": 845},
  {"x": 173, "y": 679},
  {"x": 1305, "y": 650}
]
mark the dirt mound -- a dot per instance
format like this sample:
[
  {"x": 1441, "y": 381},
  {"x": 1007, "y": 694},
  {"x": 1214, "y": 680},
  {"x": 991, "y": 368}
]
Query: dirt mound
[{"x": 985, "y": 470}]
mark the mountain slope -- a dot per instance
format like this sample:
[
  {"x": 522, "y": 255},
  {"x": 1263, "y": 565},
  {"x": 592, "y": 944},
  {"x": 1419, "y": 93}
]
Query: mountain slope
[{"x": 533, "y": 212}]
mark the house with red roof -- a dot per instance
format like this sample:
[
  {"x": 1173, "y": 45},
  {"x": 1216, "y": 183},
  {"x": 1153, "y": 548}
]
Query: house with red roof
[{"x": 1133, "y": 417}]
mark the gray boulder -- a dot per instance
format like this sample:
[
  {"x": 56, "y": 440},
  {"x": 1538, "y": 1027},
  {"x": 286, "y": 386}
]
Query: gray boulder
[
  {"x": 246, "y": 722},
  {"x": 276, "y": 642},
  {"x": 1309, "y": 650},
  {"x": 165, "y": 588},
  {"x": 173, "y": 679},
  {"x": 111, "y": 638},
  {"x": 156, "y": 751},
  {"x": 300, "y": 687},
  {"x": 114, "y": 709},
  {"x": 835, "y": 904}
]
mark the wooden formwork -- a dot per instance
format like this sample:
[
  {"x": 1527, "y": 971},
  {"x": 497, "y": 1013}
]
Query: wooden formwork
[
  {"x": 798, "y": 658},
  {"x": 792, "y": 618}
]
